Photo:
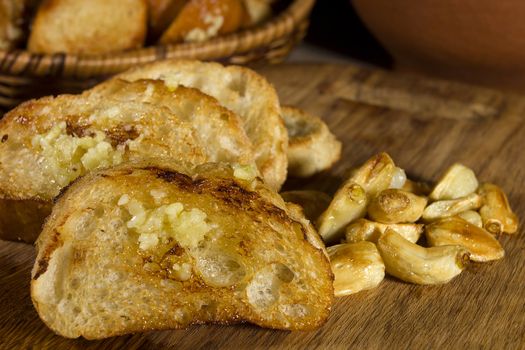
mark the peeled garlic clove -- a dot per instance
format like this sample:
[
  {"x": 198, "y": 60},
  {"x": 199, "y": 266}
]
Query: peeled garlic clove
[
  {"x": 458, "y": 181},
  {"x": 356, "y": 267},
  {"x": 366, "y": 230},
  {"x": 419, "y": 188},
  {"x": 413, "y": 263},
  {"x": 394, "y": 206},
  {"x": 312, "y": 202},
  {"x": 349, "y": 203},
  {"x": 446, "y": 208},
  {"x": 481, "y": 245},
  {"x": 471, "y": 216},
  {"x": 362, "y": 230},
  {"x": 375, "y": 175},
  {"x": 496, "y": 214},
  {"x": 399, "y": 177}
]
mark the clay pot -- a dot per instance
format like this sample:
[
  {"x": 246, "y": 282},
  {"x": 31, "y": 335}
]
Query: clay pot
[{"x": 480, "y": 41}]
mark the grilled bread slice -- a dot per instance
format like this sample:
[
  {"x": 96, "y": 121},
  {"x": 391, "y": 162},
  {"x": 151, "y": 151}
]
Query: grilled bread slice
[
  {"x": 312, "y": 147},
  {"x": 161, "y": 245},
  {"x": 242, "y": 91},
  {"x": 88, "y": 27},
  {"x": 47, "y": 143}
]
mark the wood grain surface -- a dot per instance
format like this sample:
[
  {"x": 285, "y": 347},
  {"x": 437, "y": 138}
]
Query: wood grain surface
[{"x": 425, "y": 126}]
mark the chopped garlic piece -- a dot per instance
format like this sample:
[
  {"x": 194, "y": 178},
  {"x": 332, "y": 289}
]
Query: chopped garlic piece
[
  {"x": 191, "y": 227},
  {"x": 244, "y": 172},
  {"x": 148, "y": 241},
  {"x": 182, "y": 272},
  {"x": 124, "y": 199},
  {"x": 187, "y": 227},
  {"x": 157, "y": 195},
  {"x": 68, "y": 156},
  {"x": 173, "y": 210}
]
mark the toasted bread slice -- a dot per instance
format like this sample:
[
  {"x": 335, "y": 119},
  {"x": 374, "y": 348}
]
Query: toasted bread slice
[
  {"x": 88, "y": 27},
  {"x": 242, "y": 91},
  {"x": 200, "y": 20},
  {"x": 312, "y": 147},
  {"x": 47, "y": 143},
  {"x": 155, "y": 246}
]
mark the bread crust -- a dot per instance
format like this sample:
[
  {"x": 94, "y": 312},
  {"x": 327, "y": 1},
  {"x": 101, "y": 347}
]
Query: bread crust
[
  {"x": 312, "y": 148},
  {"x": 66, "y": 256},
  {"x": 94, "y": 27},
  {"x": 244, "y": 92}
]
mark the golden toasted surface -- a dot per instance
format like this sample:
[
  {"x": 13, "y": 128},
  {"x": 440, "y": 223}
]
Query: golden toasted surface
[
  {"x": 93, "y": 27},
  {"x": 241, "y": 90},
  {"x": 176, "y": 245}
]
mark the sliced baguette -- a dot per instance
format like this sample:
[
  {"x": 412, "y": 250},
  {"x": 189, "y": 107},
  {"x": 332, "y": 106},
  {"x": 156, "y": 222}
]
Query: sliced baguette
[
  {"x": 231, "y": 252},
  {"x": 47, "y": 143},
  {"x": 88, "y": 27},
  {"x": 312, "y": 147},
  {"x": 242, "y": 91}
]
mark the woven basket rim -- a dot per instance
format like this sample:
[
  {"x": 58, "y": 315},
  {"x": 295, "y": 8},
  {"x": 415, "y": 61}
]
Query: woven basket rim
[{"x": 25, "y": 63}]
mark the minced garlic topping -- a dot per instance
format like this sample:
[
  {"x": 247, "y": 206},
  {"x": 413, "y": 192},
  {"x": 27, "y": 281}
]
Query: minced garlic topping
[
  {"x": 68, "y": 157},
  {"x": 187, "y": 226}
]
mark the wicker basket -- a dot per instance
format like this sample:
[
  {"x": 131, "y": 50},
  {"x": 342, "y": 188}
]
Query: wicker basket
[{"x": 25, "y": 75}]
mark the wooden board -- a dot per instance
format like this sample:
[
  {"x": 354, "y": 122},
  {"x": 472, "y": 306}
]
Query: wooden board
[{"x": 425, "y": 126}]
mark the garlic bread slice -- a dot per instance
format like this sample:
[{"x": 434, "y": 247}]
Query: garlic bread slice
[{"x": 162, "y": 245}]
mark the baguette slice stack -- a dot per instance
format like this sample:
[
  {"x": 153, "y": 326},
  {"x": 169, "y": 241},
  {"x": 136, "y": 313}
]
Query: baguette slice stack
[{"x": 165, "y": 181}]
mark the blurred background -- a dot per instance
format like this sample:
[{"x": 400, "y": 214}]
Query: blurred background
[
  {"x": 475, "y": 41},
  {"x": 337, "y": 34},
  {"x": 69, "y": 47}
]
